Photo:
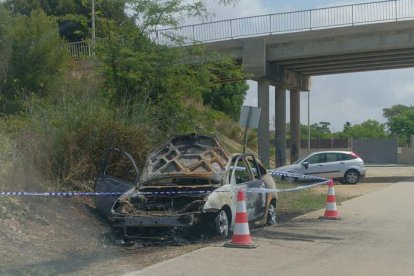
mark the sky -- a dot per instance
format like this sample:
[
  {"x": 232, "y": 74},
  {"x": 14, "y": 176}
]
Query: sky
[{"x": 353, "y": 97}]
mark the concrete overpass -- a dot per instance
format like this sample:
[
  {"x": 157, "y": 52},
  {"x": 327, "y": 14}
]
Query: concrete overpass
[{"x": 286, "y": 49}]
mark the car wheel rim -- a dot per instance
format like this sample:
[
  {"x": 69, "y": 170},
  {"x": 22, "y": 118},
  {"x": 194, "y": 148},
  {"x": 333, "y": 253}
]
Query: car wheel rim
[
  {"x": 352, "y": 177},
  {"x": 271, "y": 214},
  {"x": 223, "y": 224}
]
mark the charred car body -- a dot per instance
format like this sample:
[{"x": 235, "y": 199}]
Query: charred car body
[{"x": 189, "y": 183}]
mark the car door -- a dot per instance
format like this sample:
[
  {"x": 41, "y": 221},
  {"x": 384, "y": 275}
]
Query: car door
[
  {"x": 119, "y": 174},
  {"x": 244, "y": 180},
  {"x": 314, "y": 164},
  {"x": 260, "y": 197},
  {"x": 324, "y": 164},
  {"x": 334, "y": 165}
]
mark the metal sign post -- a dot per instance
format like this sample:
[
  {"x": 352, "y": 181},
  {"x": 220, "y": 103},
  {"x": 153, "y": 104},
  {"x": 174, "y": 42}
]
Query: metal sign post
[{"x": 249, "y": 117}]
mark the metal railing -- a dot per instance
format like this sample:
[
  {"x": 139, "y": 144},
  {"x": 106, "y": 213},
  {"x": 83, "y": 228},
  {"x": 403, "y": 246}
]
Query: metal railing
[
  {"x": 80, "y": 49},
  {"x": 287, "y": 22},
  {"x": 347, "y": 15}
]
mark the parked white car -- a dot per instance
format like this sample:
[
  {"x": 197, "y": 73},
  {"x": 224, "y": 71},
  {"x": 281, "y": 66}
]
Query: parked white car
[{"x": 345, "y": 166}]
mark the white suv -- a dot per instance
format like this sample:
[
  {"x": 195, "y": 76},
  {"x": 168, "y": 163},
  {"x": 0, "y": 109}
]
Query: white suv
[{"x": 345, "y": 166}]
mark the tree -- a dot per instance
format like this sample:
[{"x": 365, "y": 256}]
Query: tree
[
  {"x": 395, "y": 110},
  {"x": 24, "y": 7},
  {"x": 37, "y": 58},
  {"x": 402, "y": 125},
  {"x": 73, "y": 17},
  {"x": 162, "y": 79},
  {"x": 5, "y": 47},
  {"x": 228, "y": 98},
  {"x": 369, "y": 129},
  {"x": 399, "y": 121},
  {"x": 347, "y": 127},
  {"x": 321, "y": 130}
]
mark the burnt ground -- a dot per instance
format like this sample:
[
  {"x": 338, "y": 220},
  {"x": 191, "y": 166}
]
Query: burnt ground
[
  {"x": 52, "y": 236},
  {"x": 49, "y": 236}
]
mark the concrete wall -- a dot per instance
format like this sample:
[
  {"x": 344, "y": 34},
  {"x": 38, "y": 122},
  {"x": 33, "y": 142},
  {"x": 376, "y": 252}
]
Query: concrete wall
[
  {"x": 406, "y": 156},
  {"x": 376, "y": 151}
]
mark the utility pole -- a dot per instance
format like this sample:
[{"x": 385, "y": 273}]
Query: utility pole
[
  {"x": 309, "y": 128},
  {"x": 93, "y": 28}
]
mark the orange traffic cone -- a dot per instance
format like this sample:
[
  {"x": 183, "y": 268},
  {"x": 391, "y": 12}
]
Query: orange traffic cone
[
  {"x": 330, "y": 211},
  {"x": 241, "y": 236}
]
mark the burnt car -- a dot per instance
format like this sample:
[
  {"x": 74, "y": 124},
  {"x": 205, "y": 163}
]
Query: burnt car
[{"x": 188, "y": 184}]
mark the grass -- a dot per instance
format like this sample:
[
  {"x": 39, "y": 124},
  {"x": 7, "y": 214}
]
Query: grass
[{"x": 292, "y": 204}]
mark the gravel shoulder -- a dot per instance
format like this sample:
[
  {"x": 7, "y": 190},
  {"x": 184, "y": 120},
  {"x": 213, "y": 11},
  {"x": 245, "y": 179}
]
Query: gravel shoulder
[
  {"x": 58, "y": 236},
  {"x": 377, "y": 177}
]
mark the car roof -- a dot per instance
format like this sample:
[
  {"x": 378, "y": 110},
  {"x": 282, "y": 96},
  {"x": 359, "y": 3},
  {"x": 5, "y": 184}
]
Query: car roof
[{"x": 331, "y": 151}]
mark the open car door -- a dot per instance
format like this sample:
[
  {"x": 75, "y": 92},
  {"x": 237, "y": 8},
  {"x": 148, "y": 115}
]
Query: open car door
[
  {"x": 119, "y": 174},
  {"x": 246, "y": 178}
]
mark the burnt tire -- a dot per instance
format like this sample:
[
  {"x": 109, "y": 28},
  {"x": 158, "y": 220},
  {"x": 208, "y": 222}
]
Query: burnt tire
[
  {"x": 271, "y": 213},
  {"x": 352, "y": 176},
  {"x": 222, "y": 224}
]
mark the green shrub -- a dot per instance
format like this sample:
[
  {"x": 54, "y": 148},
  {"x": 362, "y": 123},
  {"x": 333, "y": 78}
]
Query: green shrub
[{"x": 36, "y": 59}]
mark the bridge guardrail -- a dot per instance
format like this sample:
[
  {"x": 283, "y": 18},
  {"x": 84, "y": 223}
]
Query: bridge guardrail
[
  {"x": 346, "y": 15},
  {"x": 286, "y": 22}
]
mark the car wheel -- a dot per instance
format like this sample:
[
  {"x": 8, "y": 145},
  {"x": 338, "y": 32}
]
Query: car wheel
[
  {"x": 221, "y": 223},
  {"x": 351, "y": 177},
  {"x": 271, "y": 213}
]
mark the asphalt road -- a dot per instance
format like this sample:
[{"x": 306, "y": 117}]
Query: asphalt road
[{"x": 374, "y": 237}]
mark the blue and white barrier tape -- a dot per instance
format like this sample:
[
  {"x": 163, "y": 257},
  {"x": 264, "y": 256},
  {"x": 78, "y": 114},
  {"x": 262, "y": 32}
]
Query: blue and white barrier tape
[
  {"x": 167, "y": 193},
  {"x": 296, "y": 175},
  {"x": 66, "y": 194},
  {"x": 299, "y": 188},
  {"x": 63, "y": 194},
  {"x": 322, "y": 181}
]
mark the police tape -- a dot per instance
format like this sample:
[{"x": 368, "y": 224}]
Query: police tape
[
  {"x": 295, "y": 189},
  {"x": 295, "y": 175},
  {"x": 284, "y": 175},
  {"x": 92, "y": 194},
  {"x": 274, "y": 173},
  {"x": 58, "y": 194},
  {"x": 161, "y": 193}
]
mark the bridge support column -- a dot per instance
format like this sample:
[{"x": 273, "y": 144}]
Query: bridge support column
[
  {"x": 280, "y": 126},
  {"x": 295, "y": 143},
  {"x": 263, "y": 131}
]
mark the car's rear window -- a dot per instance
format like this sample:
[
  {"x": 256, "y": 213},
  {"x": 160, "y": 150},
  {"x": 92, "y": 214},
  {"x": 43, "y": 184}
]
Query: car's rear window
[
  {"x": 348, "y": 156},
  {"x": 336, "y": 156}
]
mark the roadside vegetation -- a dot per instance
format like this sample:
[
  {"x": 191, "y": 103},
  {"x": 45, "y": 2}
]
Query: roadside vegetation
[{"x": 59, "y": 114}]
